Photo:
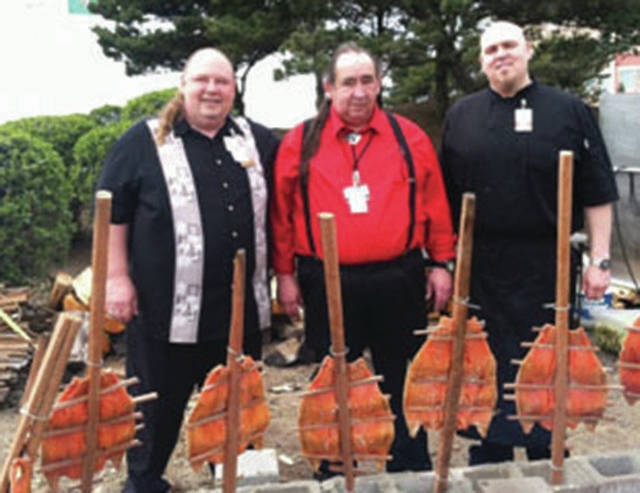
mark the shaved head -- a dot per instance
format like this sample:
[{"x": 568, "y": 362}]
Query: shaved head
[
  {"x": 207, "y": 55},
  {"x": 500, "y": 30},
  {"x": 208, "y": 88},
  {"x": 504, "y": 56}
]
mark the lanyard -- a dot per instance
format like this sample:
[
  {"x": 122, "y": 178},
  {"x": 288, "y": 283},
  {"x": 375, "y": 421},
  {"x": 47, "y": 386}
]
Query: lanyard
[{"x": 356, "y": 159}]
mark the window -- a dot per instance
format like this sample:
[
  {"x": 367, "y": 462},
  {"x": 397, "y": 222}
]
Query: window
[{"x": 629, "y": 79}]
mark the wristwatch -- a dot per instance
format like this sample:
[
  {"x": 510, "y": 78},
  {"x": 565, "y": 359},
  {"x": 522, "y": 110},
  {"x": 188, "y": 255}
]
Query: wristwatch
[
  {"x": 448, "y": 265},
  {"x": 601, "y": 263}
]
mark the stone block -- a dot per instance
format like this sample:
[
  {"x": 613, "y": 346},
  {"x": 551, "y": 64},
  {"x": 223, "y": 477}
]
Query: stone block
[
  {"x": 255, "y": 467},
  {"x": 616, "y": 464},
  {"x": 504, "y": 470},
  {"x": 292, "y": 487},
  {"x": 519, "y": 485},
  {"x": 577, "y": 471}
]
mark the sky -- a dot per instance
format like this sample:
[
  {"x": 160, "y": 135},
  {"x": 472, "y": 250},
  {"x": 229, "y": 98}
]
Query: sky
[{"x": 52, "y": 65}]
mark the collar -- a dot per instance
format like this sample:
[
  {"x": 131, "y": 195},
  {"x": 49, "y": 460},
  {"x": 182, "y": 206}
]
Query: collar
[
  {"x": 525, "y": 91},
  {"x": 339, "y": 128},
  {"x": 181, "y": 127}
]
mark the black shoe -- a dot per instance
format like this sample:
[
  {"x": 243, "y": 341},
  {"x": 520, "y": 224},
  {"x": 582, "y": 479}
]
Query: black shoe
[
  {"x": 158, "y": 485},
  {"x": 490, "y": 453},
  {"x": 323, "y": 473}
]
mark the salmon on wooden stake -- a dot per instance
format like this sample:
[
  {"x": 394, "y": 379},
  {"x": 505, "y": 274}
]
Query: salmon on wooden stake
[
  {"x": 425, "y": 387},
  {"x": 372, "y": 429},
  {"x": 629, "y": 364},
  {"x": 538, "y": 372},
  {"x": 207, "y": 422},
  {"x": 71, "y": 445}
]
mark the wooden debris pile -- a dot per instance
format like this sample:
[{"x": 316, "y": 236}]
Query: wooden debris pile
[{"x": 16, "y": 346}]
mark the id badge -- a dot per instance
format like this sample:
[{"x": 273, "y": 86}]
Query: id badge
[
  {"x": 523, "y": 118},
  {"x": 237, "y": 147},
  {"x": 357, "y": 197}
]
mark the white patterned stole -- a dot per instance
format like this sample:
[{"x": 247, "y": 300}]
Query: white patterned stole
[
  {"x": 189, "y": 240},
  {"x": 258, "y": 185}
]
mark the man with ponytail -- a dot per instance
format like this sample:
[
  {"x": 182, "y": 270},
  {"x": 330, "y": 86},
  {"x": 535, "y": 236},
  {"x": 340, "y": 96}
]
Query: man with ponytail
[
  {"x": 378, "y": 174},
  {"x": 189, "y": 190}
]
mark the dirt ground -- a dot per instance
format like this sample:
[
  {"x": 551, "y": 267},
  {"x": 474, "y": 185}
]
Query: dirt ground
[{"x": 619, "y": 430}]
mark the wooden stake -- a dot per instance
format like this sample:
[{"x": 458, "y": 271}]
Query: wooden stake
[
  {"x": 98, "y": 290},
  {"x": 234, "y": 352},
  {"x": 334, "y": 302},
  {"x": 565, "y": 182},
  {"x": 38, "y": 355},
  {"x": 40, "y": 399},
  {"x": 460, "y": 309}
]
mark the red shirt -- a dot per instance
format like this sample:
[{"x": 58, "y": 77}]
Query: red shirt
[{"x": 379, "y": 234}]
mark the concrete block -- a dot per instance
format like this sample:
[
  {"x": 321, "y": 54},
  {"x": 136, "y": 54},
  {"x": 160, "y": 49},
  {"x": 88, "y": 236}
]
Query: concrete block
[
  {"x": 616, "y": 464},
  {"x": 292, "y": 487},
  {"x": 521, "y": 485},
  {"x": 628, "y": 484},
  {"x": 504, "y": 470},
  {"x": 255, "y": 467},
  {"x": 413, "y": 482},
  {"x": 577, "y": 472},
  {"x": 378, "y": 483}
]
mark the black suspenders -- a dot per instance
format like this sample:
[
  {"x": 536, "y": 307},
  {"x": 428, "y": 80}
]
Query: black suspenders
[
  {"x": 404, "y": 149},
  {"x": 304, "y": 189}
]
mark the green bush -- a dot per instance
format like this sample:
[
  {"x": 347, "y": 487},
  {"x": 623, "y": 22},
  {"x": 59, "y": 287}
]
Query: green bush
[
  {"x": 89, "y": 153},
  {"x": 107, "y": 114},
  {"x": 35, "y": 221},
  {"x": 147, "y": 105},
  {"x": 61, "y": 132}
]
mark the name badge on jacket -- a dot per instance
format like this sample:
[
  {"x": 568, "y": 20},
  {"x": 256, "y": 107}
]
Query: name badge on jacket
[
  {"x": 357, "y": 197},
  {"x": 237, "y": 147},
  {"x": 523, "y": 118}
]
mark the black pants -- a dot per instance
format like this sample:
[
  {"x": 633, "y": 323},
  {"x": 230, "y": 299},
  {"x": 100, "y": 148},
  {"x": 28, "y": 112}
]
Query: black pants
[
  {"x": 172, "y": 370},
  {"x": 383, "y": 303},
  {"x": 491, "y": 453},
  {"x": 512, "y": 280}
]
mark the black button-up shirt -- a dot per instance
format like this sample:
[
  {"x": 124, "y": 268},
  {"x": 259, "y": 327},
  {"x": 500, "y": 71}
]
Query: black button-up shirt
[
  {"x": 133, "y": 173},
  {"x": 515, "y": 174}
]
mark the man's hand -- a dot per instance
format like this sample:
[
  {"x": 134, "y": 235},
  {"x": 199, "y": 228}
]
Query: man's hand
[
  {"x": 289, "y": 295},
  {"x": 595, "y": 282},
  {"x": 121, "y": 298},
  {"x": 439, "y": 285}
]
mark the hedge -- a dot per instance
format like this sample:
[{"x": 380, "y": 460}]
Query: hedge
[
  {"x": 61, "y": 132},
  {"x": 89, "y": 154},
  {"x": 107, "y": 114},
  {"x": 35, "y": 221},
  {"x": 147, "y": 105}
]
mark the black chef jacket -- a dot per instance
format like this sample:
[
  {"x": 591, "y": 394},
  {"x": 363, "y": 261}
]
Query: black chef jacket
[
  {"x": 133, "y": 173},
  {"x": 514, "y": 176}
]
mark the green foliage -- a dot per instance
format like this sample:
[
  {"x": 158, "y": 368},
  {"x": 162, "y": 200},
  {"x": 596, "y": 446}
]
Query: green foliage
[
  {"x": 61, "y": 132},
  {"x": 429, "y": 49},
  {"x": 89, "y": 154},
  {"x": 609, "y": 339},
  {"x": 149, "y": 35},
  {"x": 104, "y": 115},
  {"x": 35, "y": 221},
  {"x": 147, "y": 105}
]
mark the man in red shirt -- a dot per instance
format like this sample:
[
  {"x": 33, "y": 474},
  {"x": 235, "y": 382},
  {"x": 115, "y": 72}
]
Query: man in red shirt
[{"x": 379, "y": 175}]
